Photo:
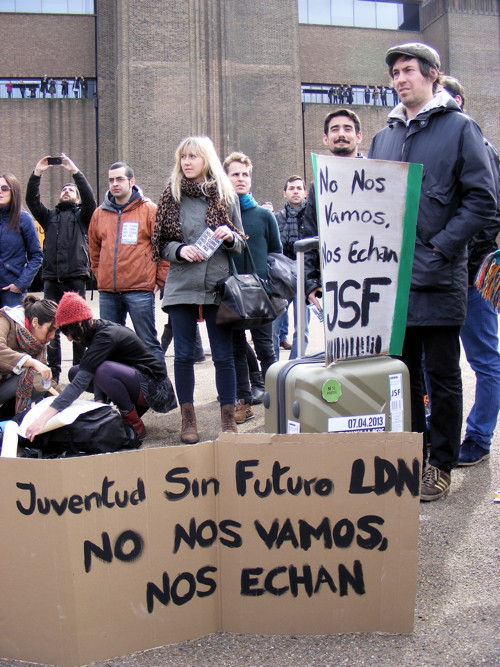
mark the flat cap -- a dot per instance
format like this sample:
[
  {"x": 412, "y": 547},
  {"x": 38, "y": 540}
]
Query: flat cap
[{"x": 414, "y": 50}]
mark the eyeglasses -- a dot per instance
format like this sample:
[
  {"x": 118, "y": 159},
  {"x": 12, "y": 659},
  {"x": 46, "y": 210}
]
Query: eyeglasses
[
  {"x": 119, "y": 179},
  {"x": 4, "y": 188}
]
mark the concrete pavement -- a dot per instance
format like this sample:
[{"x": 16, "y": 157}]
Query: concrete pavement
[{"x": 457, "y": 600}]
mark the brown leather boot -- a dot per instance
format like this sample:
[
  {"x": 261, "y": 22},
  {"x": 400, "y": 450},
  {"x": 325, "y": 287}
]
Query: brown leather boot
[
  {"x": 135, "y": 422},
  {"x": 189, "y": 434},
  {"x": 228, "y": 424}
]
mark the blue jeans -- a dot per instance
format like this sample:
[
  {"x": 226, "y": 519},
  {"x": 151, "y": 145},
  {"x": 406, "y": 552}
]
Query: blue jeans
[
  {"x": 140, "y": 305},
  {"x": 284, "y": 324},
  {"x": 184, "y": 319},
  {"x": 479, "y": 337},
  {"x": 8, "y": 298},
  {"x": 277, "y": 329}
]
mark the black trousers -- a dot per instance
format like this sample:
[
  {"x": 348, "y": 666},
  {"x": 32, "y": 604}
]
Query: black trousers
[
  {"x": 436, "y": 350},
  {"x": 263, "y": 342},
  {"x": 53, "y": 290}
]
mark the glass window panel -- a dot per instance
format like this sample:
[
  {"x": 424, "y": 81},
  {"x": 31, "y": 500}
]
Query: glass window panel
[
  {"x": 80, "y": 6},
  {"x": 319, "y": 12},
  {"x": 342, "y": 12},
  {"x": 303, "y": 11},
  {"x": 382, "y": 14},
  {"x": 364, "y": 14},
  {"x": 55, "y": 6},
  {"x": 411, "y": 17},
  {"x": 28, "y": 6},
  {"x": 388, "y": 15},
  {"x": 49, "y": 6}
]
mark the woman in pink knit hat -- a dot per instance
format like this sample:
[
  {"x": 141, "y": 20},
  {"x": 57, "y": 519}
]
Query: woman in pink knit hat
[{"x": 117, "y": 363}]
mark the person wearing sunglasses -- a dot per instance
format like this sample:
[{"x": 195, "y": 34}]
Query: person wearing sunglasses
[{"x": 20, "y": 251}]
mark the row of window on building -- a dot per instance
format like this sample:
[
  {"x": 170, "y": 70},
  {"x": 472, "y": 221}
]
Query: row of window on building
[
  {"x": 361, "y": 14},
  {"x": 48, "y": 6},
  {"x": 48, "y": 88},
  {"x": 385, "y": 14},
  {"x": 325, "y": 93},
  {"x": 382, "y": 14}
]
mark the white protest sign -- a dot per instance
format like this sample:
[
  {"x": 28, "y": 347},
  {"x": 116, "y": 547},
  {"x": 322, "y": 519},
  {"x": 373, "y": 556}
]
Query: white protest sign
[{"x": 367, "y": 212}]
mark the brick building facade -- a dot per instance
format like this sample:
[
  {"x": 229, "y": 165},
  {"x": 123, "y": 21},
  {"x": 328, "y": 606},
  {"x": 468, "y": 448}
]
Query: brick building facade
[{"x": 228, "y": 69}]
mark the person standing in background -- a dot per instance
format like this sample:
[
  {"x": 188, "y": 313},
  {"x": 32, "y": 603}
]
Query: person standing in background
[
  {"x": 20, "y": 251},
  {"x": 120, "y": 244},
  {"x": 290, "y": 220},
  {"x": 263, "y": 237},
  {"x": 479, "y": 334},
  {"x": 198, "y": 197},
  {"x": 66, "y": 263}
]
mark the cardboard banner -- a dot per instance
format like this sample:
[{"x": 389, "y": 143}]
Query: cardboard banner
[
  {"x": 367, "y": 213},
  {"x": 253, "y": 533}
]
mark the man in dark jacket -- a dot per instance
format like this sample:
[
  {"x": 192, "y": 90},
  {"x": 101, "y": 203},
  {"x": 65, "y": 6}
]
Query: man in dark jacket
[
  {"x": 66, "y": 263},
  {"x": 261, "y": 228},
  {"x": 289, "y": 221},
  {"x": 457, "y": 200}
]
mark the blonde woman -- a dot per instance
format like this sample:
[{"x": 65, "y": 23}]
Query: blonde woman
[{"x": 198, "y": 196}]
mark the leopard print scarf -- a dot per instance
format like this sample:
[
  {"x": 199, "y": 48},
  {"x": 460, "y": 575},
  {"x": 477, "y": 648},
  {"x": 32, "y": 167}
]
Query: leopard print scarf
[{"x": 167, "y": 225}]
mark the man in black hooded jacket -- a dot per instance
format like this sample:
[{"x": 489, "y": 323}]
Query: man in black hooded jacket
[
  {"x": 457, "y": 200},
  {"x": 66, "y": 263}
]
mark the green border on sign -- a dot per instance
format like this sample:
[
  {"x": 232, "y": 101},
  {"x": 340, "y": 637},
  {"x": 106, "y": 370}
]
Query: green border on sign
[{"x": 413, "y": 185}]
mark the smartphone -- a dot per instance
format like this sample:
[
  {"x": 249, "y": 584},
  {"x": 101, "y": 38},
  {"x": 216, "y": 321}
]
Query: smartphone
[{"x": 54, "y": 160}]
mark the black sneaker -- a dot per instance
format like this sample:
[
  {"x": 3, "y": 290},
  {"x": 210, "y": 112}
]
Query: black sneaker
[
  {"x": 471, "y": 453},
  {"x": 435, "y": 483}
]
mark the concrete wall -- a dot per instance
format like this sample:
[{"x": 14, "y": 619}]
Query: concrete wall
[
  {"x": 225, "y": 69},
  {"x": 55, "y": 44},
  {"x": 39, "y": 127},
  {"x": 231, "y": 70},
  {"x": 466, "y": 34}
]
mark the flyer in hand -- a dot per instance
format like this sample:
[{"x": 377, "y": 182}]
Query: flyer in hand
[{"x": 208, "y": 243}]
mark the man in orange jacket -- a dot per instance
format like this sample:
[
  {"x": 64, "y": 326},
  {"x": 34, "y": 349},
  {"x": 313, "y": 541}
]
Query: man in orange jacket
[{"x": 121, "y": 256}]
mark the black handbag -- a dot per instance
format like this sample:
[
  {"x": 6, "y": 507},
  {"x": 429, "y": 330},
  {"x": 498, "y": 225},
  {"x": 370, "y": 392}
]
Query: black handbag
[
  {"x": 282, "y": 273},
  {"x": 242, "y": 297}
]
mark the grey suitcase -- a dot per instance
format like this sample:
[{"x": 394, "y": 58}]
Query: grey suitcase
[{"x": 362, "y": 394}]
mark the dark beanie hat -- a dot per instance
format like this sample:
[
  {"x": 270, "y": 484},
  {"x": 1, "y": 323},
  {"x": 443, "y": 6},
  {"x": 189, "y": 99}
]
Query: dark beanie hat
[{"x": 72, "y": 308}]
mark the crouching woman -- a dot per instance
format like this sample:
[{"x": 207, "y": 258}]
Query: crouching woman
[
  {"x": 116, "y": 361},
  {"x": 25, "y": 332}
]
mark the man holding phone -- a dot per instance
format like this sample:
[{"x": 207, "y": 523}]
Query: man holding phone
[{"x": 66, "y": 263}]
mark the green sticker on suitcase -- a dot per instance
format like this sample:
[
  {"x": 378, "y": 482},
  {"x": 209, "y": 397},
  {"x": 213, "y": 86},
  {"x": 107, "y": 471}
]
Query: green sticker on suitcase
[{"x": 331, "y": 391}]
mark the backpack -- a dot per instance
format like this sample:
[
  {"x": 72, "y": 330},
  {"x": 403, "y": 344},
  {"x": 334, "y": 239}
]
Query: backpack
[{"x": 99, "y": 431}]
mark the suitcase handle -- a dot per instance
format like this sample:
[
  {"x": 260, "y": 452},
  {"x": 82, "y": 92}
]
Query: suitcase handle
[{"x": 301, "y": 247}]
